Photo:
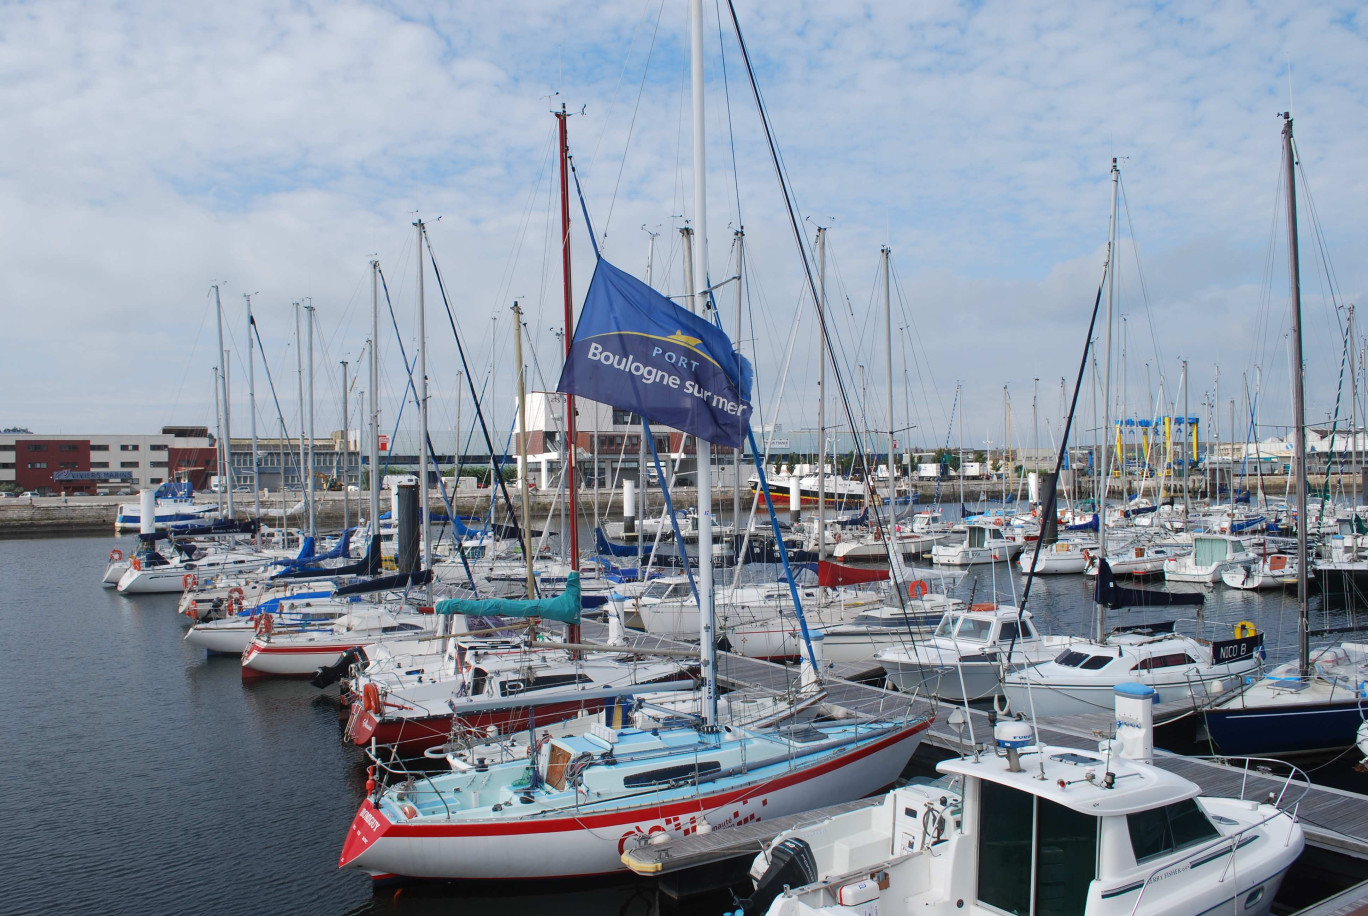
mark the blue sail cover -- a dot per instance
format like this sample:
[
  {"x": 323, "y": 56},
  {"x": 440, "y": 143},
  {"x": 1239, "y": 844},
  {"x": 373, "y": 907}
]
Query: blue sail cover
[
  {"x": 175, "y": 489},
  {"x": 565, "y": 607},
  {"x": 636, "y": 350}
]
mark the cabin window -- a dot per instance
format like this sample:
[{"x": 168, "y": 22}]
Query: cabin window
[
  {"x": 1027, "y": 631},
  {"x": 1160, "y": 831},
  {"x": 665, "y": 775},
  {"x": 1071, "y": 659},
  {"x": 545, "y": 682},
  {"x": 1009, "y": 632},
  {"x": 1032, "y": 849},
  {"x": 975, "y": 630},
  {"x": 947, "y": 626},
  {"x": 1096, "y": 662},
  {"x": 1165, "y": 661}
]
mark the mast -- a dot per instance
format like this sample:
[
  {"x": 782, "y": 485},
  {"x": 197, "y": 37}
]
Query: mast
[
  {"x": 218, "y": 431},
  {"x": 1298, "y": 396},
  {"x": 571, "y": 446},
  {"x": 740, "y": 236},
  {"x": 704, "y": 450},
  {"x": 373, "y": 447},
  {"x": 522, "y": 453},
  {"x": 888, "y": 361},
  {"x": 299, "y": 372},
  {"x": 346, "y": 451},
  {"x": 313, "y": 518},
  {"x": 1182, "y": 448},
  {"x": 226, "y": 475},
  {"x": 251, "y": 403},
  {"x": 642, "y": 475},
  {"x": 821, "y": 392},
  {"x": 1105, "y": 466},
  {"x": 424, "y": 510}
]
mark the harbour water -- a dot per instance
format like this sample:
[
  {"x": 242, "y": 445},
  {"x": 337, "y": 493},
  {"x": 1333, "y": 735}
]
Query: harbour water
[{"x": 143, "y": 777}]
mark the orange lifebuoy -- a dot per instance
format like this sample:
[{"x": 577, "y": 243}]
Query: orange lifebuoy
[
  {"x": 135, "y": 563},
  {"x": 370, "y": 699},
  {"x": 235, "y": 593},
  {"x": 188, "y": 581},
  {"x": 916, "y": 588},
  {"x": 263, "y": 624},
  {"x": 115, "y": 555},
  {"x": 192, "y": 610}
]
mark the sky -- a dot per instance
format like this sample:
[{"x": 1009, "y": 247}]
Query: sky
[{"x": 157, "y": 150}]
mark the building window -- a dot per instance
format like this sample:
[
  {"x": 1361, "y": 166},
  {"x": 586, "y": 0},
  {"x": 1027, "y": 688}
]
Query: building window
[
  {"x": 6, "y": 465},
  {"x": 126, "y": 447},
  {"x": 69, "y": 465},
  {"x": 37, "y": 448},
  {"x": 128, "y": 464},
  {"x": 7, "y": 447},
  {"x": 155, "y": 480},
  {"x": 99, "y": 464},
  {"x": 66, "y": 448},
  {"x": 99, "y": 448},
  {"x": 157, "y": 447},
  {"x": 158, "y": 464},
  {"x": 625, "y": 418},
  {"x": 37, "y": 465}
]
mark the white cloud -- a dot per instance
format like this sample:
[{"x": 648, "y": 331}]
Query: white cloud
[{"x": 154, "y": 148}]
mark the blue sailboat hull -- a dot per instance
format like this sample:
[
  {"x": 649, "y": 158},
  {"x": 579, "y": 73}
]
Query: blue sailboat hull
[{"x": 1264, "y": 731}]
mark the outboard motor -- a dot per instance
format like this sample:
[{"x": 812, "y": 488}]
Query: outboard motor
[
  {"x": 331, "y": 674},
  {"x": 792, "y": 864}
]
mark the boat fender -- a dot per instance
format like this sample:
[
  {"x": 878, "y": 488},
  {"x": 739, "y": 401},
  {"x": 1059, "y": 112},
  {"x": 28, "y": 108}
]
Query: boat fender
[
  {"x": 188, "y": 581},
  {"x": 115, "y": 555},
  {"x": 370, "y": 699},
  {"x": 1244, "y": 629},
  {"x": 135, "y": 563}
]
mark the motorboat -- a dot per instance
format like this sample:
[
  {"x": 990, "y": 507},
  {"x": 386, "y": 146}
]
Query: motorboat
[
  {"x": 1273, "y": 570},
  {"x": 1212, "y": 554},
  {"x": 982, "y": 544},
  {"x": 1066, "y": 557},
  {"x": 966, "y": 656},
  {"x": 1029, "y": 828}
]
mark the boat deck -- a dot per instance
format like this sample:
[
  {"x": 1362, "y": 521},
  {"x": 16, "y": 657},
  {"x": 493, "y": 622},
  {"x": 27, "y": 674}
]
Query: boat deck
[{"x": 1332, "y": 818}]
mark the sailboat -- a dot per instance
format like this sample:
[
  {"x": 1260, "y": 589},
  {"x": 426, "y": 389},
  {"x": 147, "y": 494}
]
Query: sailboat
[
  {"x": 1196, "y": 665},
  {"x": 575, "y": 805},
  {"x": 1316, "y": 703}
]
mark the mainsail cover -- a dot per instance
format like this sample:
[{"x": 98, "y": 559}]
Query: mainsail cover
[
  {"x": 565, "y": 607},
  {"x": 830, "y": 575},
  {"x": 1110, "y": 595}
]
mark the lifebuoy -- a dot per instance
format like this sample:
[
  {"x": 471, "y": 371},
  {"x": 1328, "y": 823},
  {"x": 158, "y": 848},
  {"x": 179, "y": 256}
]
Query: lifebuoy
[
  {"x": 263, "y": 624},
  {"x": 135, "y": 563},
  {"x": 370, "y": 699},
  {"x": 916, "y": 588},
  {"x": 192, "y": 610},
  {"x": 235, "y": 593},
  {"x": 115, "y": 555},
  {"x": 188, "y": 581},
  {"x": 1244, "y": 629}
]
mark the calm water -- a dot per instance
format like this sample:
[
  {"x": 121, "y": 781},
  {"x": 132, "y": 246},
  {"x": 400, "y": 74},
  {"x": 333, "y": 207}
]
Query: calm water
[{"x": 143, "y": 777}]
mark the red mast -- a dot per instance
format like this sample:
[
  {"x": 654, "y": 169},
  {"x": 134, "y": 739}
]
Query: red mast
[{"x": 573, "y": 635}]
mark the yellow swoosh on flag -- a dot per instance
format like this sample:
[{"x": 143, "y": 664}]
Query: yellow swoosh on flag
[{"x": 681, "y": 338}]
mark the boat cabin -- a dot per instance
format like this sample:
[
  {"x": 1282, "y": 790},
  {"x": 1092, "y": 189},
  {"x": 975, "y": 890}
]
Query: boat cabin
[{"x": 987, "y": 625}]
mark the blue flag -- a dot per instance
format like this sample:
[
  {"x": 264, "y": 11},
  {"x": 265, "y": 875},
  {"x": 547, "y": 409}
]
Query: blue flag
[{"x": 636, "y": 350}]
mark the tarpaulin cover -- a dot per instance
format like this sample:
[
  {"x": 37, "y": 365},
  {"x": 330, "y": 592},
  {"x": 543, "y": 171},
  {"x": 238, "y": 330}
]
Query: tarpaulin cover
[{"x": 565, "y": 607}]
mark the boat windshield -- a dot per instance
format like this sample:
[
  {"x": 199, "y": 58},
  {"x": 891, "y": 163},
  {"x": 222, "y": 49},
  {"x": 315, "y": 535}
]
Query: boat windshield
[
  {"x": 974, "y": 629},
  {"x": 663, "y": 590}
]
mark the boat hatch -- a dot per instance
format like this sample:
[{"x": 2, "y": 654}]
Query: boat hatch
[{"x": 1078, "y": 759}]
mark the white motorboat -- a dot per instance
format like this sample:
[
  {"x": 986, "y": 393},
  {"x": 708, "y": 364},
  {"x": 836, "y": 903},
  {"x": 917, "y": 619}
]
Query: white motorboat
[
  {"x": 1024, "y": 828},
  {"x": 1068, "y": 557},
  {"x": 1177, "y": 665},
  {"x": 1140, "y": 559},
  {"x": 1212, "y": 555},
  {"x": 301, "y": 653},
  {"x": 981, "y": 544},
  {"x": 1274, "y": 570},
  {"x": 967, "y": 654}
]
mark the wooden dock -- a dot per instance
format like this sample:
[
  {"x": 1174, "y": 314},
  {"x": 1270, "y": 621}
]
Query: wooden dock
[{"x": 1332, "y": 818}]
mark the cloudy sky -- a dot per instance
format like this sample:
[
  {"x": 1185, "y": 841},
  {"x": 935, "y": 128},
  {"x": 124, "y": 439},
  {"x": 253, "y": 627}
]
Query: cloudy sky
[{"x": 153, "y": 150}]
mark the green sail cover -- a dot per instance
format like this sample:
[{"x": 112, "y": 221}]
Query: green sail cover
[{"x": 565, "y": 607}]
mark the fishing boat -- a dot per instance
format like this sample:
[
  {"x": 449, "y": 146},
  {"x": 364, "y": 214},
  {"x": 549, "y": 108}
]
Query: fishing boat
[{"x": 1029, "y": 828}]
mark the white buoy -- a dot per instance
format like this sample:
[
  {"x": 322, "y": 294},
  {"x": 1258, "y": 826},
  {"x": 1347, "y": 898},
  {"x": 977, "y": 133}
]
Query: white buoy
[
  {"x": 628, "y": 505},
  {"x": 147, "y": 511}
]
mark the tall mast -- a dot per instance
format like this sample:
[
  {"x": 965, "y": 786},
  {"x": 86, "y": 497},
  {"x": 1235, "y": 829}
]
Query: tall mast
[
  {"x": 571, "y": 435},
  {"x": 299, "y": 372},
  {"x": 373, "y": 447},
  {"x": 424, "y": 512},
  {"x": 346, "y": 451},
  {"x": 821, "y": 392},
  {"x": 1298, "y": 396},
  {"x": 704, "y": 449},
  {"x": 642, "y": 475},
  {"x": 218, "y": 431},
  {"x": 227, "y": 473},
  {"x": 251, "y": 404},
  {"x": 888, "y": 360},
  {"x": 313, "y": 518},
  {"x": 740, "y": 236},
  {"x": 522, "y": 453}
]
